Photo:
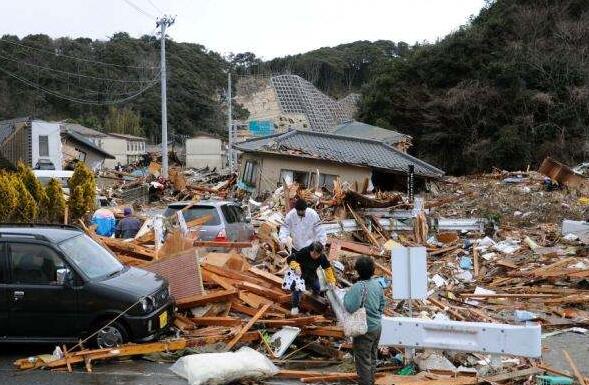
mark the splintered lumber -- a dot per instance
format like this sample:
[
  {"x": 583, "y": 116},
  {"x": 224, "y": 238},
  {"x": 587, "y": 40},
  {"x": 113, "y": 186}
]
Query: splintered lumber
[
  {"x": 512, "y": 375},
  {"x": 247, "y": 327},
  {"x": 241, "y": 308},
  {"x": 235, "y": 275},
  {"x": 326, "y": 331},
  {"x": 558, "y": 372},
  {"x": 508, "y": 295},
  {"x": 297, "y": 374},
  {"x": 362, "y": 225},
  {"x": 300, "y": 321},
  {"x": 330, "y": 378},
  {"x": 129, "y": 248},
  {"x": 422, "y": 380},
  {"x": 216, "y": 321},
  {"x": 96, "y": 354},
  {"x": 228, "y": 245},
  {"x": 274, "y": 295},
  {"x": 199, "y": 300},
  {"x": 269, "y": 277},
  {"x": 578, "y": 374}
]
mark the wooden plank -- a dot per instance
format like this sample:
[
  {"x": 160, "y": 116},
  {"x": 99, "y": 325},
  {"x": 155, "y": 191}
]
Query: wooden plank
[
  {"x": 235, "y": 275},
  {"x": 274, "y": 295},
  {"x": 475, "y": 258},
  {"x": 558, "y": 372},
  {"x": 362, "y": 225},
  {"x": 327, "y": 331},
  {"x": 225, "y": 283},
  {"x": 96, "y": 354},
  {"x": 247, "y": 327},
  {"x": 512, "y": 375},
  {"x": 578, "y": 374},
  {"x": 300, "y": 321},
  {"x": 229, "y": 245},
  {"x": 216, "y": 321},
  {"x": 269, "y": 277},
  {"x": 508, "y": 295},
  {"x": 240, "y": 308},
  {"x": 253, "y": 300},
  {"x": 330, "y": 378},
  {"x": 199, "y": 300}
]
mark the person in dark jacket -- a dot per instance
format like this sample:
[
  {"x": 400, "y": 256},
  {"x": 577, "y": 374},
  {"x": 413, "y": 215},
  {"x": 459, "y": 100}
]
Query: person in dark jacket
[
  {"x": 304, "y": 264},
  {"x": 129, "y": 226},
  {"x": 366, "y": 293}
]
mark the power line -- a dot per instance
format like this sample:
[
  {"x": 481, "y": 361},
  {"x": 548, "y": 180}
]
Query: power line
[
  {"x": 155, "y": 6},
  {"x": 141, "y": 11},
  {"x": 74, "y": 99},
  {"x": 76, "y": 58},
  {"x": 69, "y": 73}
]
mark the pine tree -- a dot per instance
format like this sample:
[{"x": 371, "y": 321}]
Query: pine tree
[
  {"x": 26, "y": 209},
  {"x": 8, "y": 198},
  {"x": 34, "y": 187},
  {"x": 56, "y": 202},
  {"x": 82, "y": 201}
]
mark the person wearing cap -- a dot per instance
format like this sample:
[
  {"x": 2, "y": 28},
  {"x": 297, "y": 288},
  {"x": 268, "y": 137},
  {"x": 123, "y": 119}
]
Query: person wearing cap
[
  {"x": 302, "y": 224},
  {"x": 129, "y": 226},
  {"x": 303, "y": 265}
]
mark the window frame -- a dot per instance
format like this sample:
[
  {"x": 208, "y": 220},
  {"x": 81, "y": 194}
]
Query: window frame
[
  {"x": 46, "y": 143},
  {"x": 9, "y": 263},
  {"x": 249, "y": 172}
]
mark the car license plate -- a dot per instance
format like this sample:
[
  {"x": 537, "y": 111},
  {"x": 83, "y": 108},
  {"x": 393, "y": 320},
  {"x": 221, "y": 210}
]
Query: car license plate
[{"x": 163, "y": 319}]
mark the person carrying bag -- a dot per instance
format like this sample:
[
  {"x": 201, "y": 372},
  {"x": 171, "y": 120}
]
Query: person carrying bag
[{"x": 365, "y": 303}]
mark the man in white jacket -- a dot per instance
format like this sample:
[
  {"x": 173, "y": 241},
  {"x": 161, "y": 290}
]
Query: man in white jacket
[{"x": 302, "y": 224}]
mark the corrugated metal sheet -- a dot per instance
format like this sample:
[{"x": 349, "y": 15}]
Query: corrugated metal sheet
[{"x": 182, "y": 272}]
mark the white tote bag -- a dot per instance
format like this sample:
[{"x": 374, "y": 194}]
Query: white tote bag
[{"x": 354, "y": 324}]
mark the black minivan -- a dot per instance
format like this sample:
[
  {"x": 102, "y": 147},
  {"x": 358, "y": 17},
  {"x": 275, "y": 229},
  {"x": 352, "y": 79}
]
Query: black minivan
[{"x": 58, "y": 285}]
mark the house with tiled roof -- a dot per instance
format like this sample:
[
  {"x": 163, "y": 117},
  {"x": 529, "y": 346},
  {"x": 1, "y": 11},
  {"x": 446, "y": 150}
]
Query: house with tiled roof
[{"x": 316, "y": 159}]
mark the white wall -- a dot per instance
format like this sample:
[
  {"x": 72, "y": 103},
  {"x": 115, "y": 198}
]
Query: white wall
[
  {"x": 117, "y": 147},
  {"x": 204, "y": 151},
  {"x": 52, "y": 131}
]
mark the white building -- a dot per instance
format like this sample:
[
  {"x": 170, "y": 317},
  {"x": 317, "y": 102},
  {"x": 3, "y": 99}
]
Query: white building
[
  {"x": 134, "y": 147},
  {"x": 205, "y": 150}
]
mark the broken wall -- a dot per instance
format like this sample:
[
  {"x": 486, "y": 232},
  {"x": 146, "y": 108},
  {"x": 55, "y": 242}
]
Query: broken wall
[{"x": 269, "y": 167}]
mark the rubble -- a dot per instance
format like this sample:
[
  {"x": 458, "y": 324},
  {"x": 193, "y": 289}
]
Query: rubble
[{"x": 496, "y": 254}]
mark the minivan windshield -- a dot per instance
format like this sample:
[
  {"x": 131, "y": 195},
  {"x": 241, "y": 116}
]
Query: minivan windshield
[{"x": 90, "y": 257}]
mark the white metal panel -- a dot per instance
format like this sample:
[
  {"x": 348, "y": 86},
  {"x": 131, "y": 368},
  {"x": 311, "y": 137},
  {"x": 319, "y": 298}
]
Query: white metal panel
[
  {"x": 409, "y": 266},
  {"x": 462, "y": 336}
]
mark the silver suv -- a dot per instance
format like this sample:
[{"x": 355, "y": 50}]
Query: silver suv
[{"x": 228, "y": 222}]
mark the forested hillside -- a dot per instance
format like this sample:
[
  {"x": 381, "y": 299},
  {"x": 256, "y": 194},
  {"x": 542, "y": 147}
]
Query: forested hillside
[
  {"x": 506, "y": 90},
  {"x": 75, "y": 71},
  {"x": 81, "y": 86}
]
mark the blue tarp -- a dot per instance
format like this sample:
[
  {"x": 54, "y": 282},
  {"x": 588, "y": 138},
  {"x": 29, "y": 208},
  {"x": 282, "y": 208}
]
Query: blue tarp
[{"x": 261, "y": 127}]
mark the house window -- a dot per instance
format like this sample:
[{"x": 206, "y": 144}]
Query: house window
[
  {"x": 81, "y": 155},
  {"x": 301, "y": 177},
  {"x": 249, "y": 173},
  {"x": 128, "y": 146},
  {"x": 325, "y": 180},
  {"x": 43, "y": 145}
]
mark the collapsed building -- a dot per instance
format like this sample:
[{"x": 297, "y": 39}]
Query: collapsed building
[{"x": 318, "y": 159}]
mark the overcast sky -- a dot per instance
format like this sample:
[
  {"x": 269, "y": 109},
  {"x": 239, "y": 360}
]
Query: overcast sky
[{"x": 269, "y": 28}]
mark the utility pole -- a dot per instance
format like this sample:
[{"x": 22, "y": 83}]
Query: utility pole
[
  {"x": 229, "y": 122},
  {"x": 163, "y": 23}
]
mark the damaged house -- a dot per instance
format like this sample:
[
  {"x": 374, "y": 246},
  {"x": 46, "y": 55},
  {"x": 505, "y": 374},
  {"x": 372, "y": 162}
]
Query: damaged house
[{"x": 302, "y": 155}]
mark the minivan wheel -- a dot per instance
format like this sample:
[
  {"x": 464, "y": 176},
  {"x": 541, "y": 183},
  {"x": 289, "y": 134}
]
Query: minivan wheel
[{"x": 111, "y": 336}]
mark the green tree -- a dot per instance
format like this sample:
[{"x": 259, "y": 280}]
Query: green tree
[
  {"x": 57, "y": 204},
  {"x": 34, "y": 187},
  {"x": 123, "y": 121},
  {"x": 82, "y": 191},
  {"x": 9, "y": 198},
  {"x": 26, "y": 210}
]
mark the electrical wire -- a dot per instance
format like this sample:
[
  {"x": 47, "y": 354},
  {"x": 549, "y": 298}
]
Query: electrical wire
[
  {"x": 74, "y": 99},
  {"x": 141, "y": 11},
  {"x": 69, "y": 73},
  {"x": 76, "y": 58},
  {"x": 155, "y": 6}
]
